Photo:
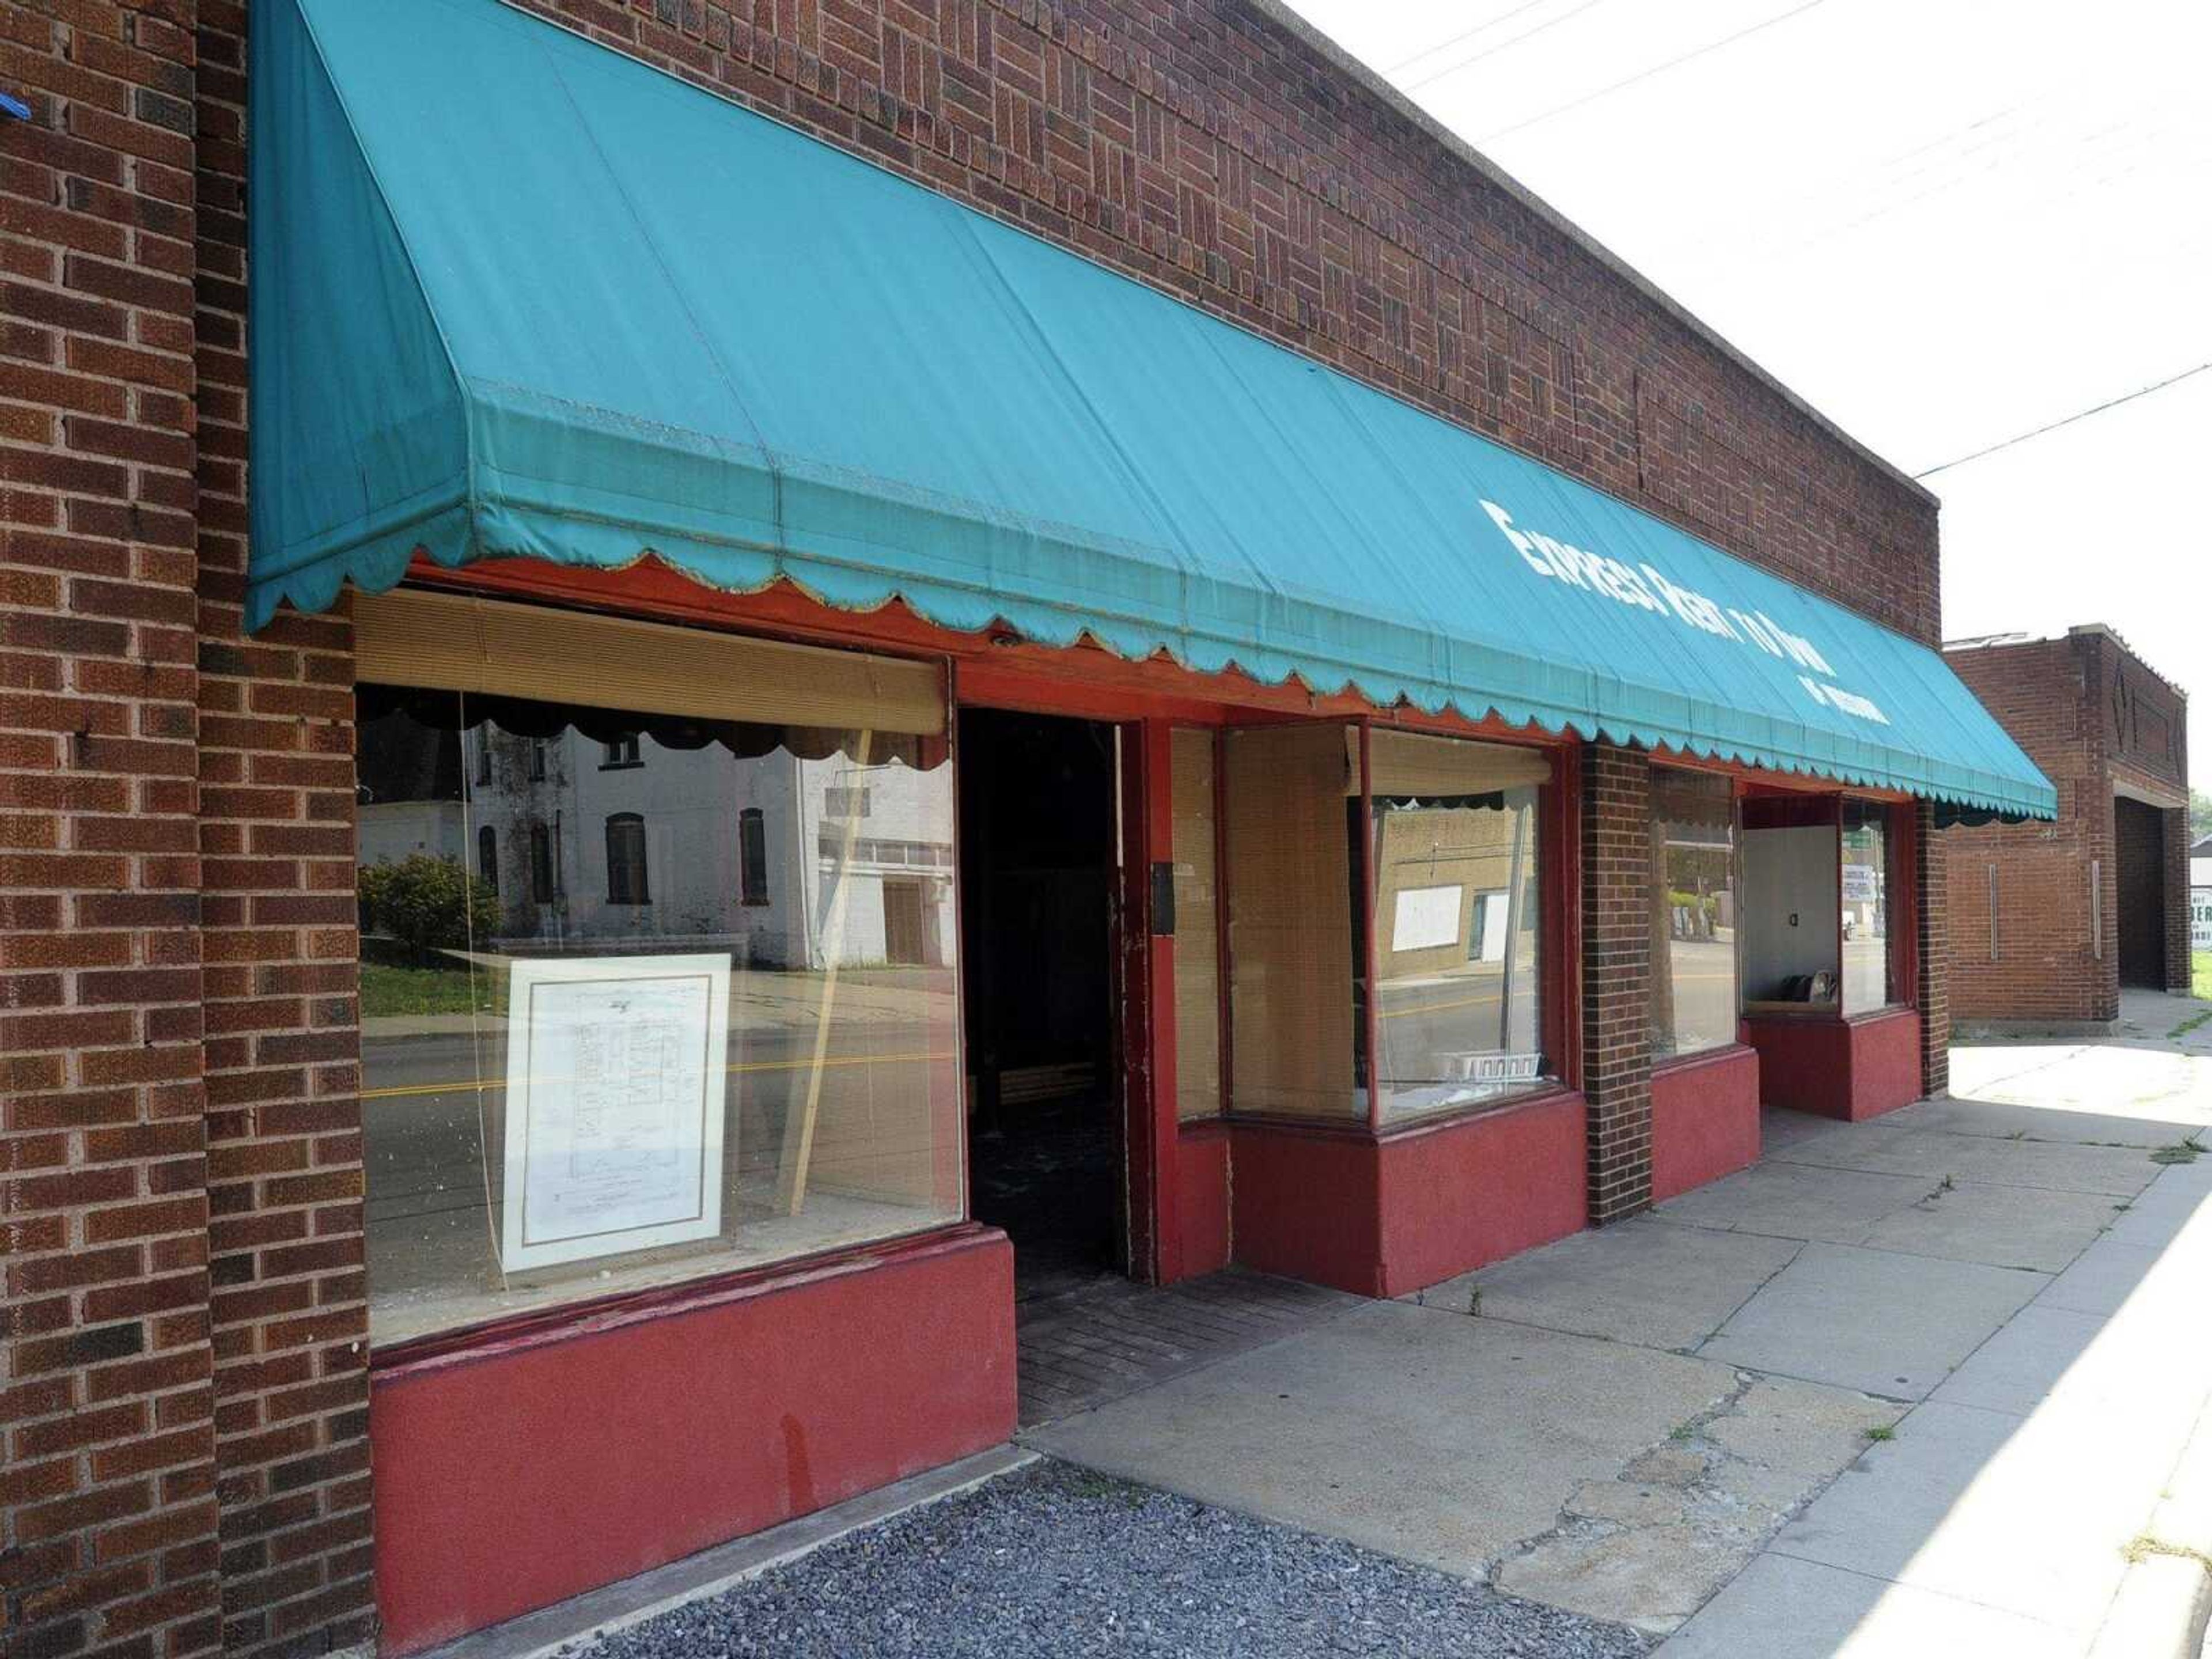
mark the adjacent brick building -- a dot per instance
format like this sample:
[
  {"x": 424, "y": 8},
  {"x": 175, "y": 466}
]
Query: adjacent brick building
[
  {"x": 186, "y": 1291},
  {"x": 2050, "y": 920}
]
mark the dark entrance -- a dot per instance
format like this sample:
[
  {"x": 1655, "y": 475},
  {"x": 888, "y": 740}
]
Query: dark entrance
[
  {"x": 1037, "y": 804},
  {"x": 2139, "y": 841}
]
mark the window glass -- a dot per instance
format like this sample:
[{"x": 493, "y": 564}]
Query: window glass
[
  {"x": 628, "y": 881},
  {"x": 752, "y": 855},
  {"x": 1693, "y": 912},
  {"x": 717, "y": 1053},
  {"x": 488, "y": 858},
  {"x": 1197, "y": 928},
  {"x": 1865, "y": 896},
  {"x": 1458, "y": 923}
]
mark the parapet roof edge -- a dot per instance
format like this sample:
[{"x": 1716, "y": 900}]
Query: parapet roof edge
[{"x": 1373, "y": 84}]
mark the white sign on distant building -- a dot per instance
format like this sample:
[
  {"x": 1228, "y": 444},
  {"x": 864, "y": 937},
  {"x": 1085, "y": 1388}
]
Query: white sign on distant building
[
  {"x": 1859, "y": 886},
  {"x": 1426, "y": 918},
  {"x": 2200, "y": 918},
  {"x": 615, "y": 1083}
]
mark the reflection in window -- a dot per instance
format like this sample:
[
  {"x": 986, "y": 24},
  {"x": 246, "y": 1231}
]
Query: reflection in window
[
  {"x": 618, "y": 1094},
  {"x": 626, "y": 872},
  {"x": 541, "y": 865},
  {"x": 488, "y": 859},
  {"x": 1457, "y": 969},
  {"x": 752, "y": 855},
  {"x": 1693, "y": 912},
  {"x": 1865, "y": 896}
]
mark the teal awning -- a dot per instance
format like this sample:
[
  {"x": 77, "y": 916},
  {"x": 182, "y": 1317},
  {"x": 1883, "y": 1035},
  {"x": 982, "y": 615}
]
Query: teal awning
[{"x": 515, "y": 294}]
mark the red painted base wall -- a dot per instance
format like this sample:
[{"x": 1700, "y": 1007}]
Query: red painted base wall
[
  {"x": 1390, "y": 1216},
  {"x": 1202, "y": 1196},
  {"x": 1704, "y": 1120},
  {"x": 508, "y": 1480},
  {"x": 1851, "y": 1069}
]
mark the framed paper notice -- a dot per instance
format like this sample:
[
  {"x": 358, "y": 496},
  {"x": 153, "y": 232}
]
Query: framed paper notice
[{"x": 615, "y": 1080}]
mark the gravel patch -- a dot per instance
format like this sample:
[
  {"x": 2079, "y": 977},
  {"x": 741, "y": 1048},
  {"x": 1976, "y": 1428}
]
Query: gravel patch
[{"x": 1054, "y": 1560}]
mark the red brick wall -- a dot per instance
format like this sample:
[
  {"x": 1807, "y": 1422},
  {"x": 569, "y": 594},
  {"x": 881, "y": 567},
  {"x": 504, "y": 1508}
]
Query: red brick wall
[
  {"x": 2089, "y": 714},
  {"x": 284, "y": 1144},
  {"x": 108, "y": 1513},
  {"x": 1616, "y": 977}
]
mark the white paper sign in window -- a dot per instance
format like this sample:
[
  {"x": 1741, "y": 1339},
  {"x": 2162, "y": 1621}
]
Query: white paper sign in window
[
  {"x": 1426, "y": 918},
  {"x": 615, "y": 1081}
]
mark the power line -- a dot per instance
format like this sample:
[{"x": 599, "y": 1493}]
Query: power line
[
  {"x": 2079, "y": 414},
  {"x": 1505, "y": 46},
  {"x": 1464, "y": 34},
  {"x": 1645, "y": 75}
]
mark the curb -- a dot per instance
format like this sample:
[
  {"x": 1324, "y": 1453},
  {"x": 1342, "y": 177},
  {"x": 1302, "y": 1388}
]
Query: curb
[
  {"x": 2160, "y": 1612},
  {"x": 2165, "y": 1601},
  {"x": 662, "y": 1589}
]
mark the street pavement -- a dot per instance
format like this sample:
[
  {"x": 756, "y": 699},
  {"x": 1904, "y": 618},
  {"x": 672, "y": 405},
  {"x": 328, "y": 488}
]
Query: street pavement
[{"x": 1921, "y": 1385}]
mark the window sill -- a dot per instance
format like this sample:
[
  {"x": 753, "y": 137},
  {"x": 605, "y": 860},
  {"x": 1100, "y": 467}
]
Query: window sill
[
  {"x": 1698, "y": 1057},
  {"x": 588, "y": 1316},
  {"x": 1360, "y": 1130}
]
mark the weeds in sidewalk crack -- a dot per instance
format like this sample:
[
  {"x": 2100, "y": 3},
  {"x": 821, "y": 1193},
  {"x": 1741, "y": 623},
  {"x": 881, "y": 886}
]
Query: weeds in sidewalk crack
[
  {"x": 2144, "y": 1546},
  {"x": 2181, "y": 1152}
]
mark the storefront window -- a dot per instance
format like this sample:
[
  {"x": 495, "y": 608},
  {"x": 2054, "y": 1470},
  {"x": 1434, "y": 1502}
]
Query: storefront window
[
  {"x": 1457, "y": 922},
  {"x": 1865, "y": 901},
  {"x": 726, "y": 1047},
  {"x": 1693, "y": 912},
  {"x": 1197, "y": 940}
]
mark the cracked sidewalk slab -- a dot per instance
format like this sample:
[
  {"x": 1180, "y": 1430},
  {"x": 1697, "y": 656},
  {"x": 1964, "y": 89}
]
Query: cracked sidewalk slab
[{"x": 1650, "y": 1547}]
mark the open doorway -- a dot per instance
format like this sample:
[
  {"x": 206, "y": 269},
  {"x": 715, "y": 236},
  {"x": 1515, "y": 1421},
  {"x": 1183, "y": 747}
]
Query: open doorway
[
  {"x": 1038, "y": 869},
  {"x": 2139, "y": 841}
]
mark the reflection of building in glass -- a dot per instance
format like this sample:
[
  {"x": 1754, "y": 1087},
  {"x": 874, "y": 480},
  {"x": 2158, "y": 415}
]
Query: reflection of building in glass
[
  {"x": 638, "y": 837},
  {"x": 1456, "y": 917},
  {"x": 1693, "y": 916}
]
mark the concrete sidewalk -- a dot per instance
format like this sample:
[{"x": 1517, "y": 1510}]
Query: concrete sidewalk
[{"x": 1918, "y": 1385}]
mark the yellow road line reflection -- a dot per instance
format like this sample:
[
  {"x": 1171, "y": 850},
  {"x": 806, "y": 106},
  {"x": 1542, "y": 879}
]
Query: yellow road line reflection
[{"x": 398, "y": 1089}]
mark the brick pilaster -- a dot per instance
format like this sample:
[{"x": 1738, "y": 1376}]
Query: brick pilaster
[
  {"x": 1931, "y": 906},
  {"x": 1616, "y": 873},
  {"x": 2174, "y": 824},
  {"x": 107, "y": 1471},
  {"x": 285, "y": 1187}
]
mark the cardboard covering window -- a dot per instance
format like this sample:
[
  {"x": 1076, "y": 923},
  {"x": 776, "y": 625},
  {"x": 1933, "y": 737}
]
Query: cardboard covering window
[
  {"x": 1425, "y": 767},
  {"x": 1290, "y": 923},
  {"x": 1197, "y": 939},
  {"x": 490, "y": 647}
]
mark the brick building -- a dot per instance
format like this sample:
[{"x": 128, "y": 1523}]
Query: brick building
[
  {"x": 2049, "y": 921},
  {"x": 448, "y": 1159}
]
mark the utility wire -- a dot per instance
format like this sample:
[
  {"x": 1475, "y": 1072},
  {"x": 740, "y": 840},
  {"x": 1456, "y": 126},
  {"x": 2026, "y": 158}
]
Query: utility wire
[
  {"x": 1506, "y": 46},
  {"x": 2079, "y": 414},
  {"x": 1640, "y": 76},
  {"x": 1464, "y": 34}
]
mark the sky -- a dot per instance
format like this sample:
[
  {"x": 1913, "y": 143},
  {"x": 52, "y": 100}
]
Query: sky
[{"x": 1940, "y": 222}]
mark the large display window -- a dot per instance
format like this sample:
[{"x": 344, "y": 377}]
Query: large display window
[
  {"x": 1817, "y": 933},
  {"x": 1863, "y": 897},
  {"x": 1694, "y": 901},
  {"x": 1386, "y": 920},
  {"x": 627, "y": 1023},
  {"x": 1457, "y": 923}
]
